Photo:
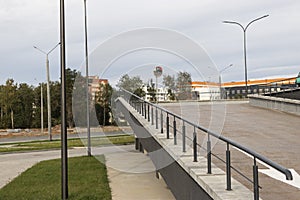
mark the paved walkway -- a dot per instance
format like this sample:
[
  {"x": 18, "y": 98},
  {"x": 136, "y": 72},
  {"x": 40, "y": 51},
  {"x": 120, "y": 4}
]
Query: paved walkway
[
  {"x": 131, "y": 173},
  {"x": 271, "y": 133},
  {"x": 132, "y": 177}
]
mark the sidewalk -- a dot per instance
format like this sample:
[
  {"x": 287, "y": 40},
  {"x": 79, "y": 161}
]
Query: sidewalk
[
  {"x": 130, "y": 172},
  {"x": 132, "y": 177}
]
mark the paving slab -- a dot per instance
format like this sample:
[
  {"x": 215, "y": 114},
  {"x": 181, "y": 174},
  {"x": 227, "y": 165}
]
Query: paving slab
[{"x": 132, "y": 177}]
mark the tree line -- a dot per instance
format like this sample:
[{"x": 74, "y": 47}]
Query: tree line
[
  {"x": 20, "y": 104},
  {"x": 178, "y": 87}
]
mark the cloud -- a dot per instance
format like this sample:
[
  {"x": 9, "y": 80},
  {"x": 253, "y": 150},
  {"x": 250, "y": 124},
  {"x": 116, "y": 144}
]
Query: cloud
[{"x": 271, "y": 42}]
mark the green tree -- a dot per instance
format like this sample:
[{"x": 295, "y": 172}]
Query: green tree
[
  {"x": 71, "y": 76},
  {"x": 55, "y": 95},
  {"x": 170, "y": 83},
  {"x": 36, "y": 119},
  {"x": 55, "y": 88},
  {"x": 103, "y": 103},
  {"x": 131, "y": 84},
  {"x": 24, "y": 106},
  {"x": 183, "y": 85},
  {"x": 79, "y": 105},
  {"x": 8, "y": 103}
]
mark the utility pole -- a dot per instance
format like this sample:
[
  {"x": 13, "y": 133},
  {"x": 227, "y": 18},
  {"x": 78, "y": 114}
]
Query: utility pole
[
  {"x": 48, "y": 87},
  {"x": 89, "y": 151}
]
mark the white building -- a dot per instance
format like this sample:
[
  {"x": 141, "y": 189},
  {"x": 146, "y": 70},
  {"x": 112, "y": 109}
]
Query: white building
[
  {"x": 205, "y": 91},
  {"x": 162, "y": 94}
]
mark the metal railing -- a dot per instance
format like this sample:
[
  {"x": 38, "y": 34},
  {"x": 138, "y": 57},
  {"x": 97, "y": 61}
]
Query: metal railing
[
  {"x": 268, "y": 89},
  {"x": 152, "y": 112}
]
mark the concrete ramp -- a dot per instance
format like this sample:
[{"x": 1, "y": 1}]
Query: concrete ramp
[{"x": 186, "y": 178}]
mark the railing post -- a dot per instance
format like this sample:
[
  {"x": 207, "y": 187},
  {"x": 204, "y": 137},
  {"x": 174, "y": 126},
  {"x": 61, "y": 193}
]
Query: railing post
[
  {"x": 148, "y": 113},
  {"x": 156, "y": 118},
  {"x": 228, "y": 168},
  {"x": 145, "y": 109},
  {"x": 152, "y": 115},
  {"x": 183, "y": 138},
  {"x": 142, "y": 106},
  {"x": 141, "y": 148},
  {"x": 167, "y": 127},
  {"x": 208, "y": 154},
  {"x": 161, "y": 122},
  {"x": 137, "y": 143},
  {"x": 174, "y": 131},
  {"x": 195, "y": 145},
  {"x": 138, "y": 107},
  {"x": 255, "y": 181}
]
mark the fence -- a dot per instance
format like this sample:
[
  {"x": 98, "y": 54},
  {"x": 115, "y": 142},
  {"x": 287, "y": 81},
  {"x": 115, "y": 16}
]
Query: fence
[{"x": 272, "y": 88}]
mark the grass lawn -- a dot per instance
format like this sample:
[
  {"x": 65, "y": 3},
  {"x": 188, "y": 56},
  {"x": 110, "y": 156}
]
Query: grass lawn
[
  {"x": 56, "y": 144},
  {"x": 87, "y": 180}
]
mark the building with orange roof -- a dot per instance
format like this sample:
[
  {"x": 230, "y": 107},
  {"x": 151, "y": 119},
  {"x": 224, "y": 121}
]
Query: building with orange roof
[{"x": 236, "y": 89}]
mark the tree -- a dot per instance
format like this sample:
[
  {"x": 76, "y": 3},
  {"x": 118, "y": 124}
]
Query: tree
[
  {"x": 71, "y": 75},
  {"x": 8, "y": 103},
  {"x": 103, "y": 103},
  {"x": 55, "y": 87},
  {"x": 55, "y": 95},
  {"x": 151, "y": 90},
  {"x": 169, "y": 82},
  {"x": 183, "y": 85},
  {"x": 24, "y": 106},
  {"x": 131, "y": 84},
  {"x": 79, "y": 103},
  {"x": 36, "y": 119}
]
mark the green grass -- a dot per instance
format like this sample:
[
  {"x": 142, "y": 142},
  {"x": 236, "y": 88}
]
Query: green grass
[
  {"x": 87, "y": 180},
  {"x": 56, "y": 144}
]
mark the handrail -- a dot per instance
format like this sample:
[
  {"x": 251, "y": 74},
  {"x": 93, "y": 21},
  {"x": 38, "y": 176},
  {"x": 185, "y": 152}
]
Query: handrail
[
  {"x": 228, "y": 141},
  {"x": 285, "y": 171}
]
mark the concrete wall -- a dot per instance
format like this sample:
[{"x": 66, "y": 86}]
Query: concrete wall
[{"x": 275, "y": 103}]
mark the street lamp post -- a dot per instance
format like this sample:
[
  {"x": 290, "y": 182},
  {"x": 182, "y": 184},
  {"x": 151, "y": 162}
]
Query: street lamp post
[
  {"x": 64, "y": 136},
  {"x": 48, "y": 87},
  {"x": 245, "y": 55},
  {"x": 89, "y": 152},
  {"x": 42, "y": 109},
  {"x": 220, "y": 78}
]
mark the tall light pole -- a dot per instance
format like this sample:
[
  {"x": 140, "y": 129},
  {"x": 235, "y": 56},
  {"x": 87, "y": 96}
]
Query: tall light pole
[
  {"x": 42, "y": 110},
  {"x": 64, "y": 136},
  {"x": 245, "y": 54},
  {"x": 89, "y": 152},
  {"x": 220, "y": 78},
  {"x": 48, "y": 87}
]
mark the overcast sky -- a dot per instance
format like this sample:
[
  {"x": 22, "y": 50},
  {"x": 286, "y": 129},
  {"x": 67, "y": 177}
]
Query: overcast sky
[{"x": 273, "y": 43}]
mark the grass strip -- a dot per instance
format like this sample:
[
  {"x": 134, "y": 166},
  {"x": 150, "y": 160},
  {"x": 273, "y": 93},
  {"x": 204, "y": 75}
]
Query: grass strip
[
  {"x": 56, "y": 144},
  {"x": 87, "y": 180}
]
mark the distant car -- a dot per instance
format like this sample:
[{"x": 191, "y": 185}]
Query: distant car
[{"x": 297, "y": 82}]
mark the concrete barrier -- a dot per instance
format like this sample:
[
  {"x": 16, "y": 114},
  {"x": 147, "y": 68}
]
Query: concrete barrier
[{"x": 276, "y": 103}]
